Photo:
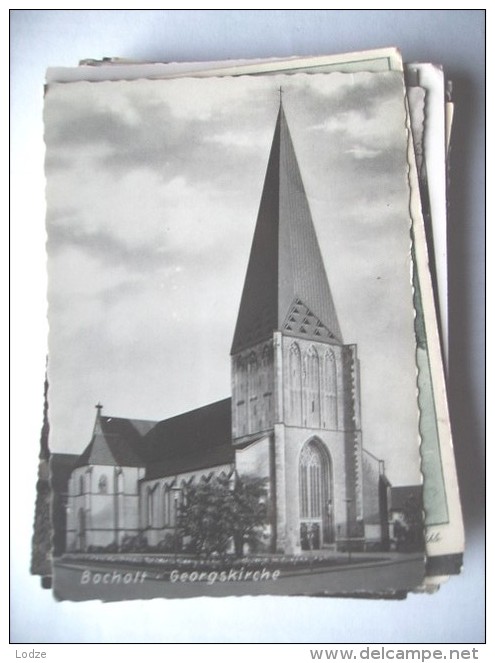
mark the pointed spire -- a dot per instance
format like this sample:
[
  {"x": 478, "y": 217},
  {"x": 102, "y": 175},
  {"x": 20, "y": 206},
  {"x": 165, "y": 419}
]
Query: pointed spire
[
  {"x": 98, "y": 451},
  {"x": 285, "y": 265},
  {"x": 98, "y": 408}
]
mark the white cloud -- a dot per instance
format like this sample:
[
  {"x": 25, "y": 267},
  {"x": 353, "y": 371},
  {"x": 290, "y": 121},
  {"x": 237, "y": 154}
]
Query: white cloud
[{"x": 362, "y": 152}]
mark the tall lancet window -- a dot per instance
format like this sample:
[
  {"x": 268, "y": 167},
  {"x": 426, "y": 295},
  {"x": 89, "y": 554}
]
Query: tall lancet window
[
  {"x": 266, "y": 386},
  {"x": 329, "y": 391},
  {"x": 88, "y": 489},
  {"x": 252, "y": 393},
  {"x": 167, "y": 499},
  {"x": 315, "y": 495},
  {"x": 150, "y": 507},
  {"x": 81, "y": 530},
  {"x": 119, "y": 499},
  {"x": 310, "y": 482},
  {"x": 242, "y": 397},
  {"x": 295, "y": 384},
  {"x": 312, "y": 389},
  {"x": 103, "y": 484}
]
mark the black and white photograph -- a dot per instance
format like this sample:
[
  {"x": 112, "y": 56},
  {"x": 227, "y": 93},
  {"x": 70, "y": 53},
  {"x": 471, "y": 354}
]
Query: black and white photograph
[
  {"x": 232, "y": 380},
  {"x": 247, "y": 292}
]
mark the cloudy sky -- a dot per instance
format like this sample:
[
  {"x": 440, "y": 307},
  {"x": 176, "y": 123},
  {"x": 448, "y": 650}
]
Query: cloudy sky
[{"x": 153, "y": 189}]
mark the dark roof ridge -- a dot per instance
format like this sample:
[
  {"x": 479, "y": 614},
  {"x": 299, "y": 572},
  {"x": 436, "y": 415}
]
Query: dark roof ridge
[
  {"x": 194, "y": 410},
  {"x": 108, "y": 417}
]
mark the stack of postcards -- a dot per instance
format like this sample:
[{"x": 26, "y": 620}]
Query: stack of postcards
[{"x": 248, "y": 330}]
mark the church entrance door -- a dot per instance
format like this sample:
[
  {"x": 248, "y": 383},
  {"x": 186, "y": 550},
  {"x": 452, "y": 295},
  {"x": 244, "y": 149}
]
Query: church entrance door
[{"x": 315, "y": 496}]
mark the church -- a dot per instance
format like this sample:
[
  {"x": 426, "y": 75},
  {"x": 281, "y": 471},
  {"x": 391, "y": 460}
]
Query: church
[{"x": 293, "y": 417}]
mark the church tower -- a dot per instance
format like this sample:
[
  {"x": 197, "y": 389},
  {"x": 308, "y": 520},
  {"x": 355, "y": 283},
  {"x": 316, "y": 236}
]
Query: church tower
[{"x": 295, "y": 383}]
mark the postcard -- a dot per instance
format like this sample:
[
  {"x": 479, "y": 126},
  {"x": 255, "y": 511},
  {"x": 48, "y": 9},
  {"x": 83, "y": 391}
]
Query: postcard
[
  {"x": 426, "y": 93},
  {"x": 226, "y": 420}
]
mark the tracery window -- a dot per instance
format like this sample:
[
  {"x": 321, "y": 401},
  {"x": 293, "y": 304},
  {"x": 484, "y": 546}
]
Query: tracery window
[
  {"x": 252, "y": 391},
  {"x": 315, "y": 496},
  {"x": 312, "y": 390},
  {"x": 81, "y": 529},
  {"x": 266, "y": 385},
  {"x": 295, "y": 383},
  {"x": 329, "y": 391},
  {"x": 150, "y": 507},
  {"x": 242, "y": 402},
  {"x": 119, "y": 500},
  {"x": 310, "y": 481},
  {"x": 103, "y": 484}
]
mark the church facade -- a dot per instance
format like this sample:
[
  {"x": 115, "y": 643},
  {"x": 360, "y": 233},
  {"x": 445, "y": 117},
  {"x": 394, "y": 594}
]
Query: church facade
[{"x": 293, "y": 417}]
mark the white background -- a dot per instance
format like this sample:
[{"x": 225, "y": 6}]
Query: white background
[{"x": 43, "y": 38}]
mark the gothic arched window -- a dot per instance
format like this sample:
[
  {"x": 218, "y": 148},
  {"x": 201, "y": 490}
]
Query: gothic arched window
[
  {"x": 81, "y": 530},
  {"x": 166, "y": 506},
  {"x": 119, "y": 501},
  {"x": 315, "y": 494},
  {"x": 310, "y": 488},
  {"x": 329, "y": 391},
  {"x": 103, "y": 484},
  {"x": 295, "y": 380},
  {"x": 150, "y": 507},
  {"x": 312, "y": 388},
  {"x": 242, "y": 396},
  {"x": 252, "y": 392},
  {"x": 88, "y": 488},
  {"x": 182, "y": 495},
  {"x": 266, "y": 386}
]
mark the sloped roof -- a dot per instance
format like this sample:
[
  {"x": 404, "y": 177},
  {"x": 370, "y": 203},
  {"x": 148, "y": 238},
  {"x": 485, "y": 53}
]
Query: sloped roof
[
  {"x": 190, "y": 441},
  {"x": 197, "y": 439},
  {"x": 198, "y": 460},
  {"x": 117, "y": 441},
  {"x": 285, "y": 266}
]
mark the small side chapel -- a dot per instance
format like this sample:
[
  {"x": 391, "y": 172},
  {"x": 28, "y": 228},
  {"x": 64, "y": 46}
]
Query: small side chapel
[{"x": 293, "y": 418}]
